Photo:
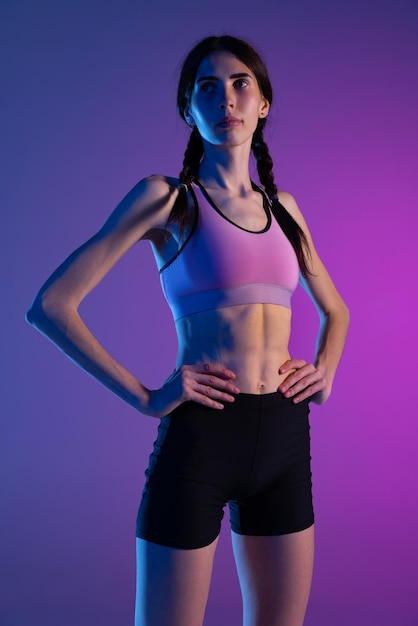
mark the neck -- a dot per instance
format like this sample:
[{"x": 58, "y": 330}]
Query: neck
[{"x": 226, "y": 168}]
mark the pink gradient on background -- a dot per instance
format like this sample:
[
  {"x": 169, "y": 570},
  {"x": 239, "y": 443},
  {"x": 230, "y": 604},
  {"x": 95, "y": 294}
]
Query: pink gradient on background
[{"x": 88, "y": 108}]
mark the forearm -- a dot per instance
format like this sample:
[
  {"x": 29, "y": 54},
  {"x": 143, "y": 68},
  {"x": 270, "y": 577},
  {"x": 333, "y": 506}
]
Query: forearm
[
  {"x": 330, "y": 342},
  {"x": 65, "y": 328}
]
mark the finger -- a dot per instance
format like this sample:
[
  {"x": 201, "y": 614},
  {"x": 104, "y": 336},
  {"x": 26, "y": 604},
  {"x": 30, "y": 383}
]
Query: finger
[
  {"x": 291, "y": 364},
  {"x": 206, "y": 395},
  {"x": 306, "y": 372},
  {"x": 315, "y": 381},
  {"x": 214, "y": 393},
  {"x": 195, "y": 392},
  {"x": 214, "y": 369},
  {"x": 309, "y": 392},
  {"x": 216, "y": 383},
  {"x": 191, "y": 373}
]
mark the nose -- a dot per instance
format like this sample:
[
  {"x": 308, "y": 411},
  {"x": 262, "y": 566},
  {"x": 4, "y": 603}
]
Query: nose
[{"x": 226, "y": 100}]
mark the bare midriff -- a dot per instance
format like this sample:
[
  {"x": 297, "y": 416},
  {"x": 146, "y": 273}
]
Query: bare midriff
[{"x": 249, "y": 339}]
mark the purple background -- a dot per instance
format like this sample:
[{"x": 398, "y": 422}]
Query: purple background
[{"x": 88, "y": 108}]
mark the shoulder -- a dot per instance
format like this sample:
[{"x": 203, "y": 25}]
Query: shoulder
[
  {"x": 160, "y": 182},
  {"x": 289, "y": 203},
  {"x": 147, "y": 205},
  {"x": 155, "y": 188},
  {"x": 291, "y": 206}
]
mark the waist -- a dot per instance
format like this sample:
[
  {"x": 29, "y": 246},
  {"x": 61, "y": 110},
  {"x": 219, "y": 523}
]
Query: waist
[
  {"x": 258, "y": 293},
  {"x": 251, "y": 340}
]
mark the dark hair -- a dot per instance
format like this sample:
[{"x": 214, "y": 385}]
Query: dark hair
[{"x": 194, "y": 151}]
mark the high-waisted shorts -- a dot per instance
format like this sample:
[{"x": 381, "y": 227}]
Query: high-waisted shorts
[{"x": 254, "y": 455}]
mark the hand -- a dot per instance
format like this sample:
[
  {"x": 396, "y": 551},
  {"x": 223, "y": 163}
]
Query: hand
[
  {"x": 206, "y": 383},
  {"x": 303, "y": 381}
]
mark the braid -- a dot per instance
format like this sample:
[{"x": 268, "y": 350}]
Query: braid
[
  {"x": 290, "y": 227},
  {"x": 264, "y": 161},
  {"x": 189, "y": 173},
  {"x": 192, "y": 157}
]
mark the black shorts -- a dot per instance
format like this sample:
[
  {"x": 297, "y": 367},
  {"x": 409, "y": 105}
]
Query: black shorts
[{"x": 254, "y": 455}]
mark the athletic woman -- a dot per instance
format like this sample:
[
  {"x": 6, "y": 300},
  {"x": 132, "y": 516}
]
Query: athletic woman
[{"x": 233, "y": 416}]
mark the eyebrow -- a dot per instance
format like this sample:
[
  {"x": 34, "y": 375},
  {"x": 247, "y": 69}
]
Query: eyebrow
[{"x": 240, "y": 75}]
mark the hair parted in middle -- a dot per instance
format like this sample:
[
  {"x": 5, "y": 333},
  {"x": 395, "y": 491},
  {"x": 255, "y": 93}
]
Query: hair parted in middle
[{"x": 194, "y": 151}]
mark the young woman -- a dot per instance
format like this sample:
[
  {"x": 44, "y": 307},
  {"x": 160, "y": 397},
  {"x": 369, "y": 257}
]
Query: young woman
[{"x": 234, "y": 414}]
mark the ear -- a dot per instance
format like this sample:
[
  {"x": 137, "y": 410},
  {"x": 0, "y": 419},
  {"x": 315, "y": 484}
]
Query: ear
[
  {"x": 264, "y": 108},
  {"x": 188, "y": 117}
]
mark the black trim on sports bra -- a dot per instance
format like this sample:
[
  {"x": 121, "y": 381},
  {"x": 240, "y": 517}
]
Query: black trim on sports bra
[
  {"x": 218, "y": 210},
  {"x": 193, "y": 228}
]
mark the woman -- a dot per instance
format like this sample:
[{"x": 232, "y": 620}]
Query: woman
[{"x": 234, "y": 414}]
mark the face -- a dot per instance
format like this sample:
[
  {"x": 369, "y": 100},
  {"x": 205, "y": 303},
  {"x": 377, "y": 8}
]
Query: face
[{"x": 226, "y": 102}]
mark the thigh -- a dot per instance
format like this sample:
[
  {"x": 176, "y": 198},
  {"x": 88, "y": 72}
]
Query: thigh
[
  {"x": 188, "y": 477},
  {"x": 172, "y": 584},
  {"x": 277, "y": 499},
  {"x": 275, "y": 574}
]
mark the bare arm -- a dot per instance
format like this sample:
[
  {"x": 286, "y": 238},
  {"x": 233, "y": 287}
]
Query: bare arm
[
  {"x": 315, "y": 380},
  {"x": 54, "y": 311},
  {"x": 142, "y": 214}
]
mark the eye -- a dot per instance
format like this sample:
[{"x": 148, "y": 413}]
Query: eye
[
  {"x": 206, "y": 87},
  {"x": 240, "y": 83}
]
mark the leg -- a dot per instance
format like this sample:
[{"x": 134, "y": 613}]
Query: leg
[
  {"x": 172, "y": 584},
  {"x": 275, "y": 575}
]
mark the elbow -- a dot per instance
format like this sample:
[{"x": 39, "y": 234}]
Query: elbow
[
  {"x": 35, "y": 311},
  {"x": 345, "y": 313},
  {"x": 30, "y": 316},
  {"x": 338, "y": 312},
  {"x": 46, "y": 312},
  {"x": 37, "y": 315},
  {"x": 342, "y": 317}
]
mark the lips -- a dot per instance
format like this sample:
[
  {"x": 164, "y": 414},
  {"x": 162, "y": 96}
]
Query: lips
[{"x": 229, "y": 122}]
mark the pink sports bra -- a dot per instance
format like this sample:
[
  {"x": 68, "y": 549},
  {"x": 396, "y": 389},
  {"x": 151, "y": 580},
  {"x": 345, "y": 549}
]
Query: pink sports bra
[{"x": 221, "y": 264}]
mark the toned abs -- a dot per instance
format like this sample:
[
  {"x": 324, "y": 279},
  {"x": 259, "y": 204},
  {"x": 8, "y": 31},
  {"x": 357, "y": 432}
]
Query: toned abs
[{"x": 249, "y": 339}]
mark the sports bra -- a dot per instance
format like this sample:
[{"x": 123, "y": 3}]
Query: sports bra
[{"x": 221, "y": 264}]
